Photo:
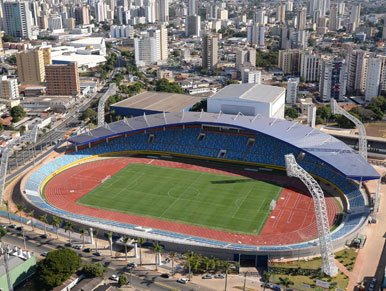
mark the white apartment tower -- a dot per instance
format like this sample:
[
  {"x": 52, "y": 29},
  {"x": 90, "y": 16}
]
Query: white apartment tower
[
  {"x": 193, "y": 7},
  {"x": 355, "y": 15},
  {"x": 163, "y": 10},
  {"x": 373, "y": 78},
  {"x": 193, "y": 25},
  {"x": 17, "y": 20},
  {"x": 292, "y": 91},
  {"x": 309, "y": 67},
  {"x": 280, "y": 13},
  {"x": 255, "y": 34}
]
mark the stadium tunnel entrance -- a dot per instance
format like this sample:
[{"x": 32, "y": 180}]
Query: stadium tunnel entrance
[{"x": 258, "y": 261}]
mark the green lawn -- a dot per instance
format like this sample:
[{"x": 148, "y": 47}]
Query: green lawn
[{"x": 224, "y": 202}]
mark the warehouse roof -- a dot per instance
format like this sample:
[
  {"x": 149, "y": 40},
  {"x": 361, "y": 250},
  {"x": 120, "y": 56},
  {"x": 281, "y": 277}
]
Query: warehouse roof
[
  {"x": 158, "y": 101},
  {"x": 252, "y": 92},
  {"x": 312, "y": 141}
]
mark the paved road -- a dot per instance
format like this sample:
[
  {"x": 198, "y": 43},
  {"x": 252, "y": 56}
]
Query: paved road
[{"x": 140, "y": 277}]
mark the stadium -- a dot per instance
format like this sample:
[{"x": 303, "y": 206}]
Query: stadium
[{"x": 211, "y": 183}]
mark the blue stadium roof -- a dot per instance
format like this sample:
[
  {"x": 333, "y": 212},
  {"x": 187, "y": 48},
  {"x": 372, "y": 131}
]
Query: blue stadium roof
[{"x": 328, "y": 149}]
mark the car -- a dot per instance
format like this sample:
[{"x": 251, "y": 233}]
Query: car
[
  {"x": 68, "y": 244},
  {"x": 43, "y": 236},
  {"x": 78, "y": 247},
  {"x": 220, "y": 276},
  {"x": 98, "y": 254},
  {"x": 182, "y": 281},
  {"x": 3, "y": 226},
  {"x": 276, "y": 288},
  {"x": 207, "y": 276},
  {"x": 12, "y": 226},
  {"x": 132, "y": 265},
  {"x": 87, "y": 250},
  {"x": 114, "y": 277},
  {"x": 164, "y": 275},
  {"x": 374, "y": 280},
  {"x": 20, "y": 228},
  {"x": 44, "y": 254}
]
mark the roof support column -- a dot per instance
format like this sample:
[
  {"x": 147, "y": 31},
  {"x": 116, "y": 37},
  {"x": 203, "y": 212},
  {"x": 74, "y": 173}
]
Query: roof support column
[{"x": 377, "y": 198}]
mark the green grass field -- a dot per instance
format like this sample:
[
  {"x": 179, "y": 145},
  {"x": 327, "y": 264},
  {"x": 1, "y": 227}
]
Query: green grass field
[{"x": 223, "y": 202}]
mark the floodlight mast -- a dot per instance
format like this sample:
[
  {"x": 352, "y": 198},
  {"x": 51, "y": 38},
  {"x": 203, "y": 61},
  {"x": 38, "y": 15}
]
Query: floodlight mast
[
  {"x": 112, "y": 90},
  {"x": 336, "y": 109},
  {"x": 326, "y": 251}
]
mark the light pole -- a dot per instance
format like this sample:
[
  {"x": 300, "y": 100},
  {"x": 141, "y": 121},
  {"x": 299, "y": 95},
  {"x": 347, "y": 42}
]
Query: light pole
[{"x": 4, "y": 251}]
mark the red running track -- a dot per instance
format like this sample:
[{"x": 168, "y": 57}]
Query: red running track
[{"x": 292, "y": 221}]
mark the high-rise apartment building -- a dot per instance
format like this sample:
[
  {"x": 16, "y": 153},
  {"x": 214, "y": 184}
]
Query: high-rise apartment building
[
  {"x": 373, "y": 78},
  {"x": 150, "y": 11},
  {"x": 302, "y": 19},
  {"x": 163, "y": 10},
  {"x": 9, "y": 88},
  {"x": 245, "y": 57},
  {"x": 259, "y": 17},
  {"x": 100, "y": 11},
  {"x": 289, "y": 61},
  {"x": 210, "y": 51},
  {"x": 82, "y": 15},
  {"x": 62, "y": 79},
  {"x": 356, "y": 62},
  {"x": 193, "y": 7},
  {"x": 30, "y": 66},
  {"x": 309, "y": 67},
  {"x": 17, "y": 20},
  {"x": 292, "y": 91},
  {"x": 334, "y": 23},
  {"x": 355, "y": 15},
  {"x": 255, "y": 34},
  {"x": 192, "y": 25},
  {"x": 163, "y": 32},
  {"x": 250, "y": 75},
  {"x": 151, "y": 47},
  {"x": 280, "y": 13},
  {"x": 332, "y": 83}
]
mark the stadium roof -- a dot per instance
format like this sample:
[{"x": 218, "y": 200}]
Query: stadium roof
[
  {"x": 251, "y": 92},
  {"x": 328, "y": 149},
  {"x": 159, "y": 101}
]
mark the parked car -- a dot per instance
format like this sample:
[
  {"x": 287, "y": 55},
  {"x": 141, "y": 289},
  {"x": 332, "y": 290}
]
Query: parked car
[
  {"x": 43, "y": 236},
  {"x": 276, "y": 288},
  {"x": 68, "y": 244},
  {"x": 3, "y": 226},
  {"x": 87, "y": 250},
  {"x": 44, "y": 254},
  {"x": 114, "y": 277},
  {"x": 132, "y": 265},
  {"x": 182, "y": 281},
  {"x": 20, "y": 228},
  {"x": 98, "y": 254},
  {"x": 220, "y": 276},
  {"x": 12, "y": 226},
  {"x": 165, "y": 275},
  {"x": 78, "y": 247},
  {"x": 207, "y": 276}
]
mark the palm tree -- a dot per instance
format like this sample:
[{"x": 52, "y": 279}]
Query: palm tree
[
  {"x": 110, "y": 236},
  {"x": 6, "y": 203},
  {"x": 140, "y": 241},
  {"x": 83, "y": 235},
  {"x": 20, "y": 209},
  {"x": 207, "y": 263},
  {"x": 95, "y": 234},
  {"x": 172, "y": 256},
  {"x": 157, "y": 249},
  {"x": 125, "y": 240},
  {"x": 285, "y": 282},
  {"x": 56, "y": 221},
  {"x": 43, "y": 218},
  {"x": 266, "y": 276},
  {"x": 226, "y": 266},
  {"x": 189, "y": 258},
  {"x": 68, "y": 227},
  {"x": 31, "y": 215}
]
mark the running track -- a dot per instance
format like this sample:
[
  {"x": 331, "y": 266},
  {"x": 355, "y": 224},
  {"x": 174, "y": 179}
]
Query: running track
[{"x": 292, "y": 221}]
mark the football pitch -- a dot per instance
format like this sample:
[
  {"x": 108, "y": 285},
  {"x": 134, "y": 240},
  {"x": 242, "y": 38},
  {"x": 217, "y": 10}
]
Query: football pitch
[{"x": 217, "y": 201}]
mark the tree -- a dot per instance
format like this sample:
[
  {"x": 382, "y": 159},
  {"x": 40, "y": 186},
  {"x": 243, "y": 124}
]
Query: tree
[
  {"x": 226, "y": 267},
  {"x": 110, "y": 236},
  {"x": 83, "y": 235},
  {"x": 8, "y": 38},
  {"x": 93, "y": 270},
  {"x": 56, "y": 221},
  {"x": 68, "y": 227},
  {"x": 157, "y": 249},
  {"x": 95, "y": 234},
  {"x": 30, "y": 214},
  {"x": 285, "y": 282},
  {"x": 140, "y": 241},
  {"x": 291, "y": 112},
  {"x": 266, "y": 277},
  {"x": 189, "y": 256},
  {"x": 56, "y": 268},
  {"x": 125, "y": 240},
  {"x": 17, "y": 113},
  {"x": 324, "y": 112},
  {"x": 89, "y": 114},
  {"x": 20, "y": 209},
  {"x": 164, "y": 85},
  {"x": 43, "y": 218},
  {"x": 172, "y": 256},
  {"x": 3, "y": 232},
  {"x": 123, "y": 280},
  {"x": 6, "y": 203}
]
